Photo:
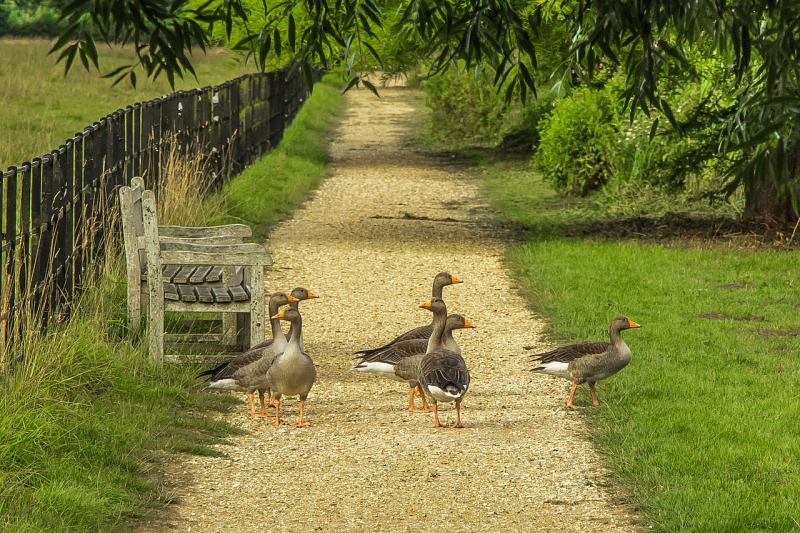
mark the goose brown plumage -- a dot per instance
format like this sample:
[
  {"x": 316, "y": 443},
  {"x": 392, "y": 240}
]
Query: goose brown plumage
[
  {"x": 441, "y": 280},
  {"x": 442, "y": 373},
  {"x": 292, "y": 372},
  {"x": 224, "y": 375},
  {"x": 399, "y": 361},
  {"x": 247, "y": 372},
  {"x": 588, "y": 362}
]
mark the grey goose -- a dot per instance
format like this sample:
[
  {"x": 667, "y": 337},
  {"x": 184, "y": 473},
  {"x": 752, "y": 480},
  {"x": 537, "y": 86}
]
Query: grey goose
[
  {"x": 399, "y": 361},
  {"x": 441, "y": 280},
  {"x": 588, "y": 362}
]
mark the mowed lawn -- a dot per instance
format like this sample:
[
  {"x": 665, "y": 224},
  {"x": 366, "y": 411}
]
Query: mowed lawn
[
  {"x": 701, "y": 430},
  {"x": 40, "y": 108}
]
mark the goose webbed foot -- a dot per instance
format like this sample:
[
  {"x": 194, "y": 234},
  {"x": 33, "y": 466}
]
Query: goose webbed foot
[
  {"x": 572, "y": 396},
  {"x": 300, "y": 423},
  {"x": 436, "y": 423}
]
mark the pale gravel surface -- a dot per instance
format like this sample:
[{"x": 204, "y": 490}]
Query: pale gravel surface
[{"x": 366, "y": 464}]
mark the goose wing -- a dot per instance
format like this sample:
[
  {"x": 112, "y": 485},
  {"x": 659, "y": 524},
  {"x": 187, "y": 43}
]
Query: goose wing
[
  {"x": 396, "y": 352},
  {"x": 421, "y": 332},
  {"x": 226, "y": 369},
  {"x": 567, "y": 354},
  {"x": 442, "y": 368}
]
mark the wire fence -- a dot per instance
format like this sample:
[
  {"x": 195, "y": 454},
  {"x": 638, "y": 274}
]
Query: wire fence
[{"x": 57, "y": 210}]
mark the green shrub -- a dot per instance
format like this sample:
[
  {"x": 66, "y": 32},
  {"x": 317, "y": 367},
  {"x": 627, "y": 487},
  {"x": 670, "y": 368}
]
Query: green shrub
[
  {"x": 464, "y": 108},
  {"x": 576, "y": 152}
]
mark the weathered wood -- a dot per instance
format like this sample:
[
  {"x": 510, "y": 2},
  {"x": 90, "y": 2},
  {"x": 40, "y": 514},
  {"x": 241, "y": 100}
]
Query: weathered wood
[
  {"x": 204, "y": 359},
  {"x": 250, "y": 256},
  {"x": 229, "y": 230},
  {"x": 221, "y": 294},
  {"x": 171, "y": 291},
  {"x": 238, "y": 293},
  {"x": 186, "y": 293},
  {"x": 184, "y": 274},
  {"x": 199, "y": 275},
  {"x": 204, "y": 294}
]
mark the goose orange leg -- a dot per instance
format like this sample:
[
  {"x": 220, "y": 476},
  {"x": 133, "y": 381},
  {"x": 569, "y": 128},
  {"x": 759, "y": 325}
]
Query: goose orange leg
[
  {"x": 300, "y": 423},
  {"x": 277, "y": 421},
  {"x": 411, "y": 407},
  {"x": 252, "y": 406},
  {"x": 263, "y": 412},
  {"x": 425, "y": 406},
  {"x": 571, "y": 396},
  {"x": 458, "y": 423},
  {"x": 436, "y": 423},
  {"x": 595, "y": 401}
]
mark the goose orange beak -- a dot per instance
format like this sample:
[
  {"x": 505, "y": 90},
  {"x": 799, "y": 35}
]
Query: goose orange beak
[
  {"x": 425, "y": 305},
  {"x": 468, "y": 323},
  {"x": 292, "y": 299},
  {"x": 634, "y": 324},
  {"x": 312, "y": 295},
  {"x": 456, "y": 280},
  {"x": 279, "y": 315}
]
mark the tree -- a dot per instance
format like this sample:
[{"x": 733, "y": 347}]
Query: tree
[{"x": 649, "y": 39}]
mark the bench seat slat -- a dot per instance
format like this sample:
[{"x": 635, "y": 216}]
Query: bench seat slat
[
  {"x": 186, "y": 293},
  {"x": 184, "y": 274},
  {"x": 221, "y": 294},
  {"x": 170, "y": 292},
  {"x": 200, "y": 274}
]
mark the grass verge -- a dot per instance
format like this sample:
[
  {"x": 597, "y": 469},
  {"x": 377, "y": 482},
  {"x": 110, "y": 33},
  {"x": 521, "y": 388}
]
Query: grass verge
[
  {"x": 83, "y": 416},
  {"x": 701, "y": 429}
]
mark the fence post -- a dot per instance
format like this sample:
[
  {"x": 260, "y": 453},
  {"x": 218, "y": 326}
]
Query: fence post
[{"x": 9, "y": 193}]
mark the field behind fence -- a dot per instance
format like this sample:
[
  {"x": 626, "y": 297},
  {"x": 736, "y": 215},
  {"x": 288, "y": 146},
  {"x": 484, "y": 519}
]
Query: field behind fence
[{"x": 57, "y": 209}]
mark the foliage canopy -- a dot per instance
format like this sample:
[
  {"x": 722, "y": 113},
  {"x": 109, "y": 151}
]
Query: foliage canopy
[{"x": 650, "y": 40}]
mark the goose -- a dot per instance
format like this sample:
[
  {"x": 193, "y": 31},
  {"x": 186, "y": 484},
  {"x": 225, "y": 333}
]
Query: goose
[
  {"x": 300, "y": 293},
  {"x": 441, "y": 280},
  {"x": 399, "y": 361},
  {"x": 222, "y": 376},
  {"x": 292, "y": 372},
  {"x": 442, "y": 373},
  {"x": 588, "y": 362},
  {"x": 247, "y": 372}
]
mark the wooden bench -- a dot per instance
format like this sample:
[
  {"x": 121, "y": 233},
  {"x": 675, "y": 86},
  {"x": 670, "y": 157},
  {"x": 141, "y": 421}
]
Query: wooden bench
[{"x": 203, "y": 270}]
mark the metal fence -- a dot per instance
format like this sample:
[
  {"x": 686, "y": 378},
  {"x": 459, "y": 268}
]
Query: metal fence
[{"x": 57, "y": 209}]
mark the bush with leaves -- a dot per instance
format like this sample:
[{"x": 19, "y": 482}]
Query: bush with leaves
[
  {"x": 465, "y": 107},
  {"x": 577, "y": 147}
]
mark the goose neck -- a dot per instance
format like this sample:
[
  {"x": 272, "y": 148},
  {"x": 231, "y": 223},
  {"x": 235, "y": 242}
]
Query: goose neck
[{"x": 435, "y": 343}]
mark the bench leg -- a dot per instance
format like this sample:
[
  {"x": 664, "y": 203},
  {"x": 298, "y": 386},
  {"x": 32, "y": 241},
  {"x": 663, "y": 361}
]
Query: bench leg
[{"x": 258, "y": 305}]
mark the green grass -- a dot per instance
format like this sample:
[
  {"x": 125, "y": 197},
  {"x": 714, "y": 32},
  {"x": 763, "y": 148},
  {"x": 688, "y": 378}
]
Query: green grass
[
  {"x": 81, "y": 416},
  {"x": 40, "y": 108},
  {"x": 84, "y": 417},
  {"x": 701, "y": 429},
  {"x": 271, "y": 188}
]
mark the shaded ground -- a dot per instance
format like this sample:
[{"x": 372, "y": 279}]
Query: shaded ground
[{"x": 370, "y": 241}]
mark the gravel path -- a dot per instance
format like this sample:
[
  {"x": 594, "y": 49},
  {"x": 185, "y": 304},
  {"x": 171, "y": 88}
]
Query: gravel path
[{"x": 369, "y": 242}]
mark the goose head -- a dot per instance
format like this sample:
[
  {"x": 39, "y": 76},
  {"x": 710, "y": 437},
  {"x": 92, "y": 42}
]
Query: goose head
[
  {"x": 302, "y": 293},
  {"x": 435, "y": 305},
  {"x": 622, "y": 322},
  {"x": 443, "y": 279},
  {"x": 456, "y": 321},
  {"x": 281, "y": 298},
  {"x": 290, "y": 315}
]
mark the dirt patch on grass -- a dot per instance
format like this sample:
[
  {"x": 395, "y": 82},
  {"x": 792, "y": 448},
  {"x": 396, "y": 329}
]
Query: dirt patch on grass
[{"x": 725, "y": 316}]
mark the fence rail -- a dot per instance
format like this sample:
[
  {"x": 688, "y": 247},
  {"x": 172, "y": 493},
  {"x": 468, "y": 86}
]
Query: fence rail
[{"x": 56, "y": 209}]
